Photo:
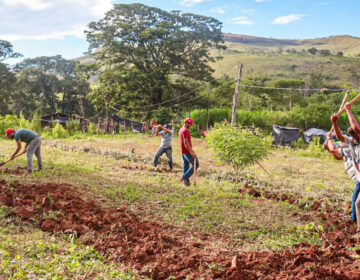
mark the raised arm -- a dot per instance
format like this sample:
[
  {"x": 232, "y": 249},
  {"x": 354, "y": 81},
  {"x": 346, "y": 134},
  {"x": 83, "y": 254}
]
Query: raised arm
[
  {"x": 353, "y": 122},
  {"x": 157, "y": 133},
  {"x": 335, "y": 152},
  {"x": 334, "y": 119}
]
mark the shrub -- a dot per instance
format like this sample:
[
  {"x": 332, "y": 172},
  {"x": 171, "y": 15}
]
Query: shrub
[
  {"x": 237, "y": 146},
  {"x": 92, "y": 129},
  {"x": 35, "y": 124},
  {"x": 59, "y": 131},
  {"x": 72, "y": 127}
]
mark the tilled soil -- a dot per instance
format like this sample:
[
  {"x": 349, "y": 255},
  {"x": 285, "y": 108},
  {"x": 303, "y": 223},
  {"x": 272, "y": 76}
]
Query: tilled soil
[{"x": 159, "y": 251}]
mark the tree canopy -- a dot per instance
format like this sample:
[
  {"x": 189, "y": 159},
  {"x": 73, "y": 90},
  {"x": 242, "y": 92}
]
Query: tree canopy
[{"x": 143, "y": 50}]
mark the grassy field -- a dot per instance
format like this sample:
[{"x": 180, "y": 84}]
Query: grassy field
[
  {"x": 336, "y": 70},
  {"x": 116, "y": 171}
]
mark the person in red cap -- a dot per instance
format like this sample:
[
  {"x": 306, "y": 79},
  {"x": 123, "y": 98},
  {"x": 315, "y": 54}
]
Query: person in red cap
[
  {"x": 33, "y": 145},
  {"x": 188, "y": 154}
]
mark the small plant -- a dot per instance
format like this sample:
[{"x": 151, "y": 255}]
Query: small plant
[
  {"x": 5, "y": 212},
  {"x": 238, "y": 146}
]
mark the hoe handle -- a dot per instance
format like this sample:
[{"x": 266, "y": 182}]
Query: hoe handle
[
  {"x": 5, "y": 162},
  {"x": 341, "y": 106},
  {"x": 351, "y": 102}
]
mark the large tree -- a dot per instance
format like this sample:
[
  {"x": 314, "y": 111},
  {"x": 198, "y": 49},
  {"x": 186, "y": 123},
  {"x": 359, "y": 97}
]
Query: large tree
[
  {"x": 7, "y": 78},
  {"x": 48, "y": 85},
  {"x": 143, "y": 50}
]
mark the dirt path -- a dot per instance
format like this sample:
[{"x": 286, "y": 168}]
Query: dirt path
[{"x": 159, "y": 251}]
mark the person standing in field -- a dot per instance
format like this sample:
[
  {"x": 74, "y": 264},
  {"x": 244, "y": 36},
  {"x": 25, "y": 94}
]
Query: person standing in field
[
  {"x": 166, "y": 144},
  {"x": 33, "y": 145},
  {"x": 187, "y": 152}
]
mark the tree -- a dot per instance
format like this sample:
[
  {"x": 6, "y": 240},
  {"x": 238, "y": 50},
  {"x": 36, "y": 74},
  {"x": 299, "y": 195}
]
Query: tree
[
  {"x": 287, "y": 95},
  {"x": 6, "y": 51},
  {"x": 146, "y": 49},
  {"x": 49, "y": 84},
  {"x": 7, "y": 78},
  {"x": 312, "y": 50}
]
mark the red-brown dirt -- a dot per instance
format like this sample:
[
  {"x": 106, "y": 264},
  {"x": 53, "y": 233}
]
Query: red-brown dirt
[{"x": 160, "y": 251}]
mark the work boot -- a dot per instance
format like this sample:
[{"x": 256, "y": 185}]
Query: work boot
[{"x": 186, "y": 181}]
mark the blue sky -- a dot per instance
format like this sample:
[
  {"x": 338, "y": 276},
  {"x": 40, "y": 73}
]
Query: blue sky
[{"x": 50, "y": 27}]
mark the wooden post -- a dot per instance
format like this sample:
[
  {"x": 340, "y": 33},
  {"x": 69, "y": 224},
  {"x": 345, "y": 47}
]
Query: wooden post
[
  {"x": 98, "y": 126},
  {"x": 208, "y": 111},
  {"x": 236, "y": 94},
  {"x": 132, "y": 127},
  {"x": 125, "y": 128}
]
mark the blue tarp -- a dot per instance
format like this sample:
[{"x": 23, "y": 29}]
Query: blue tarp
[{"x": 308, "y": 135}]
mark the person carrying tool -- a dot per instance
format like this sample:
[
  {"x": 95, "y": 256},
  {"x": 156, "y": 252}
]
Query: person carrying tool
[
  {"x": 33, "y": 145},
  {"x": 351, "y": 156},
  {"x": 187, "y": 152},
  {"x": 166, "y": 144}
]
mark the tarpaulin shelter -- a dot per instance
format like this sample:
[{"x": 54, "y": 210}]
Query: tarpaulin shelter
[
  {"x": 284, "y": 136},
  {"x": 128, "y": 123},
  {"x": 308, "y": 135},
  {"x": 62, "y": 119}
]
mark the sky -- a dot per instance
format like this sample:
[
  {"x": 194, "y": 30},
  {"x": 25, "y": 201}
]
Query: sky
[{"x": 51, "y": 27}]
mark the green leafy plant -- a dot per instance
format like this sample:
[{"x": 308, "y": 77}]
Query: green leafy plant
[
  {"x": 237, "y": 146},
  {"x": 59, "y": 131}
]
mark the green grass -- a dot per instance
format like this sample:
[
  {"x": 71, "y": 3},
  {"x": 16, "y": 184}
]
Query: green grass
[
  {"x": 211, "y": 207},
  {"x": 27, "y": 253},
  {"x": 214, "y": 207}
]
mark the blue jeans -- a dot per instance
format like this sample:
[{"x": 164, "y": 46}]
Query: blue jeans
[
  {"x": 354, "y": 197},
  {"x": 161, "y": 151},
  {"x": 187, "y": 170}
]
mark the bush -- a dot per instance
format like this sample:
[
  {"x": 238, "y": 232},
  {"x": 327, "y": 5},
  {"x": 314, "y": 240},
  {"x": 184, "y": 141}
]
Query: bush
[
  {"x": 35, "y": 124},
  {"x": 237, "y": 146},
  {"x": 72, "y": 127},
  {"x": 9, "y": 121},
  {"x": 59, "y": 131},
  {"x": 92, "y": 129}
]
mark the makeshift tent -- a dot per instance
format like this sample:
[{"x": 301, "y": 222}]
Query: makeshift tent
[
  {"x": 284, "y": 136},
  {"x": 308, "y": 135},
  {"x": 137, "y": 126}
]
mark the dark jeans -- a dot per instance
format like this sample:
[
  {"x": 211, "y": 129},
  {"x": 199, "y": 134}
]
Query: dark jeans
[
  {"x": 161, "y": 151},
  {"x": 355, "y": 195},
  {"x": 187, "y": 170}
]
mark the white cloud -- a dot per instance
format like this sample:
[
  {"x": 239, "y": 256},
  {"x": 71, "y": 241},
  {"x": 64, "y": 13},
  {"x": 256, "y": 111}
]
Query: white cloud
[
  {"x": 35, "y": 5},
  {"x": 243, "y": 20},
  {"x": 190, "y": 3},
  {"x": 44, "y": 19},
  {"x": 287, "y": 19},
  {"x": 261, "y": 0},
  {"x": 218, "y": 10},
  {"x": 249, "y": 11}
]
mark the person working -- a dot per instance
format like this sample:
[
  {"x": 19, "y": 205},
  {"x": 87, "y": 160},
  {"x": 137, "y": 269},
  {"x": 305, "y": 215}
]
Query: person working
[
  {"x": 33, "y": 145},
  {"x": 166, "y": 144}
]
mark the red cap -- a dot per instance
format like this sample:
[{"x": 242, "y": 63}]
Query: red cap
[
  {"x": 8, "y": 131},
  {"x": 189, "y": 120}
]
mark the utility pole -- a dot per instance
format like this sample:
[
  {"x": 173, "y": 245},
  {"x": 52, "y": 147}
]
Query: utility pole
[
  {"x": 208, "y": 109},
  {"x": 106, "y": 99},
  {"x": 236, "y": 94}
]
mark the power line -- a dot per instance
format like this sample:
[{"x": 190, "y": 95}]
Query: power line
[{"x": 299, "y": 89}]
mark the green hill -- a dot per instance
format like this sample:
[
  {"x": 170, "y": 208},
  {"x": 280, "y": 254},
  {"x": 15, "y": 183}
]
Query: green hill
[{"x": 289, "y": 58}]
